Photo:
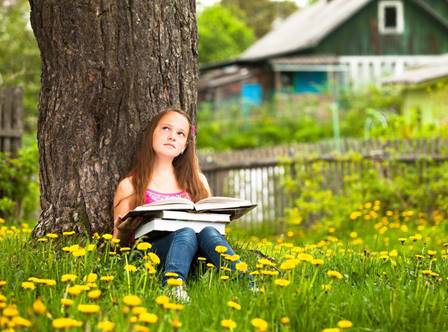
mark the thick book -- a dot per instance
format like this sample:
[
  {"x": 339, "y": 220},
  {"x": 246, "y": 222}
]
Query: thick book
[
  {"x": 183, "y": 215},
  {"x": 234, "y": 207},
  {"x": 160, "y": 225}
]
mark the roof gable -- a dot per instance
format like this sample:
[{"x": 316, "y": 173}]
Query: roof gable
[{"x": 304, "y": 29}]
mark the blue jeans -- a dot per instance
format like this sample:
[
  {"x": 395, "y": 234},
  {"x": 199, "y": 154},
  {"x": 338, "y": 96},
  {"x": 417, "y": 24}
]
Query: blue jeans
[{"x": 177, "y": 249}]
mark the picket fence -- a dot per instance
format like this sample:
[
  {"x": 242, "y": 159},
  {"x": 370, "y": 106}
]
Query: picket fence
[{"x": 258, "y": 174}]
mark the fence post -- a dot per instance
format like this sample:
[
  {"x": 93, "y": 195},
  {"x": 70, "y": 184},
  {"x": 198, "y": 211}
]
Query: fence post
[{"x": 11, "y": 112}]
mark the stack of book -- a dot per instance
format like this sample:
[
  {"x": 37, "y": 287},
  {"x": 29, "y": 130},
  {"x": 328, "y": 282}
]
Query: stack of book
[{"x": 174, "y": 213}]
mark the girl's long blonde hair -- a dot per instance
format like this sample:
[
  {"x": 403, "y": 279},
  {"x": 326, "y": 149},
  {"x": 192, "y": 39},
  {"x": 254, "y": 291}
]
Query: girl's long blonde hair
[{"x": 186, "y": 165}]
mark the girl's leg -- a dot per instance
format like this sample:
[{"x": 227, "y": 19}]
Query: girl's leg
[
  {"x": 176, "y": 251},
  {"x": 208, "y": 239}
]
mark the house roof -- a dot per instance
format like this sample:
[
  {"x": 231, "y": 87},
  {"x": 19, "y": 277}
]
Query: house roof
[
  {"x": 307, "y": 27},
  {"x": 428, "y": 72},
  {"x": 304, "y": 29}
]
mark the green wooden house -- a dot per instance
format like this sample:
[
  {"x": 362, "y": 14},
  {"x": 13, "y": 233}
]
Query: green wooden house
[
  {"x": 337, "y": 43},
  {"x": 425, "y": 91}
]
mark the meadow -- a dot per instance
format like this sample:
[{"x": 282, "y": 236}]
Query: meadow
[{"x": 386, "y": 271}]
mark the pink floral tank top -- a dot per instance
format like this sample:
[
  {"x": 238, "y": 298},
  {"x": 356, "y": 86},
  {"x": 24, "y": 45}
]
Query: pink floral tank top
[{"x": 153, "y": 196}]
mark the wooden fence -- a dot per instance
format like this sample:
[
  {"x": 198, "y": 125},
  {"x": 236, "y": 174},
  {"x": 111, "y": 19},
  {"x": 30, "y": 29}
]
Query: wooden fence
[
  {"x": 258, "y": 175},
  {"x": 11, "y": 112}
]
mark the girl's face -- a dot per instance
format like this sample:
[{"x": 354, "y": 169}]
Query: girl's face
[{"x": 170, "y": 135}]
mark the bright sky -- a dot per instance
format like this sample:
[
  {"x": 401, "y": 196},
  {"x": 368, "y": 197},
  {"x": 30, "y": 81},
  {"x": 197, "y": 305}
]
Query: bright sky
[{"x": 204, "y": 3}]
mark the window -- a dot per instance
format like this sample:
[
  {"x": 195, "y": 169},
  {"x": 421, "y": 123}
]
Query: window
[{"x": 390, "y": 17}]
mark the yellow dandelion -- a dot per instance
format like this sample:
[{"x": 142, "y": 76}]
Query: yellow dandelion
[
  {"x": 260, "y": 324},
  {"x": 210, "y": 266},
  {"x": 66, "y": 302},
  {"x": 130, "y": 268},
  {"x": 140, "y": 328},
  {"x": 107, "y": 236},
  {"x": 334, "y": 274},
  {"x": 147, "y": 317},
  {"x": 65, "y": 323},
  {"x": 332, "y": 329},
  {"x": 132, "y": 300},
  {"x": 282, "y": 282},
  {"x": 115, "y": 241},
  {"x": 432, "y": 253},
  {"x": 105, "y": 326},
  {"x": 317, "y": 262},
  {"x": 91, "y": 277},
  {"x": 234, "y": 305},
  {"x": 224, "y": 278},
  {"x": 68, "y": 277},
  {"x": 228, "y": 324},
  {"x": 326, "y": 287},
  {"x": 174, "y": 282},
  {"x": 150, "y": 268},
  {"x": 269, "y": 273},
  {"x": 107, "y": 278},
  {"x": 91, "y": 247},
  {"x": 203, "y": 259},
  {"x": 28, "y": 285},
  {"x": 345, "y": 324},
  {"x": 138, "y": 310},
  {"x": 51, "y": 235},
  {"x": 79, "y": 252},
  {"x": 42, "y": 239},
  {"x": 241, "y": 266},
  {"x": 220, "y": 249},
  {"x": 10, "y": 311},
  {"x": 3, "y": 283},
  {"x": 154, "y": 258},
  {"x": 173, "y": 306},
  {"x": 68, "y": 233},
  {"x": 285, "y": 320},
  {"x": 144, "y": 246},
  {"x": 162, "y": 299},
  {"x": 125, "y": 249},
  {"x": 94, "y": 294},
  {"x": 289, "y": 264},
  {"x": 39, "y": 307},
  {"x": 171, "y": 274},
  {"x": 88, "y": 308},
  {"x": 20, "y": 322},
  {"x": 176, "y": 324}
]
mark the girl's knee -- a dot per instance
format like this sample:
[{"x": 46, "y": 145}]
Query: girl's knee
[
  {"x": 209, "y": 231},
  {"x": 185, "y": 232}
]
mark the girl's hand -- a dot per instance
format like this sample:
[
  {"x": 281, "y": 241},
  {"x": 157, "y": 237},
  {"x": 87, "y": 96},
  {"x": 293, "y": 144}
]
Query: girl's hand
[{"x": 127, "y": 226}]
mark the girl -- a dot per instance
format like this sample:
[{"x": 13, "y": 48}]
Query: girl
[{"x": 167, "y": 166}]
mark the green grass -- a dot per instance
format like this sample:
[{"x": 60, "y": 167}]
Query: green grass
[{"x": 393, "y": 277}]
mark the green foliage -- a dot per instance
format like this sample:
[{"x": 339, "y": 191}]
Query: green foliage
[
  {"x": 260, "y": 15},
  {"x": 331, "y": 198},
  {"x": 19, "y": 187},
  {"x": 222, "y": 35},
  {"x": 19, "y": 53}
]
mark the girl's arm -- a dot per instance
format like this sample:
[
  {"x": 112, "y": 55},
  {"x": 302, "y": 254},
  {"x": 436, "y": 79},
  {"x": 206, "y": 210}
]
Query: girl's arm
[
  {"x": 124, "y": 201},
  {"x": 205, "y": 183}
]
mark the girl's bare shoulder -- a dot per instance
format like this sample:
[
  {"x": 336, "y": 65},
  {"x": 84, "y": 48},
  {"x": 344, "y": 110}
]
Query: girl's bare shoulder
[{"x": 124, "y": 190}]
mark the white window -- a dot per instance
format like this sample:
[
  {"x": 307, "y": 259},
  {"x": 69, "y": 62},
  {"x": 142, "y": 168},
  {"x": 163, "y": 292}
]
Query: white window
[{"x": 390, "y": 17}]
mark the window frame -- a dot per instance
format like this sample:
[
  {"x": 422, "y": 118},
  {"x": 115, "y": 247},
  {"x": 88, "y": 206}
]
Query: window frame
[{"x": 399, "y": 28}]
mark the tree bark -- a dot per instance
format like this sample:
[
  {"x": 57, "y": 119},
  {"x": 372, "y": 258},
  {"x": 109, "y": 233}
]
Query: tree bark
[{"x": 108, "y": 66}]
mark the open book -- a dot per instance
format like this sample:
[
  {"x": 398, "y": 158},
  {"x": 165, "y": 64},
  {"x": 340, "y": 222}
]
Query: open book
[{"x": 234, "y": 207}]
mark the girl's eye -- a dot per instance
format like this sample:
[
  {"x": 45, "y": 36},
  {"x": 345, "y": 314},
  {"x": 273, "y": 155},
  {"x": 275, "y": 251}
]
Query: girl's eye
[
  {"x": 180, "y": 133},
  {"x": 165, "y": 128}
]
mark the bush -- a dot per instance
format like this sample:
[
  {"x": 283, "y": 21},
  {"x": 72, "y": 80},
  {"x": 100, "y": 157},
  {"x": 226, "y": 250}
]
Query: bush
[{"x": 19, "y": 186}]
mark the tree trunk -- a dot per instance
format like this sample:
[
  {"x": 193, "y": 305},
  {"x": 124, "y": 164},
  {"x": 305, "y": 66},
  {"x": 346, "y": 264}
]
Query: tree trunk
[{"x": 107, "y": 68}]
